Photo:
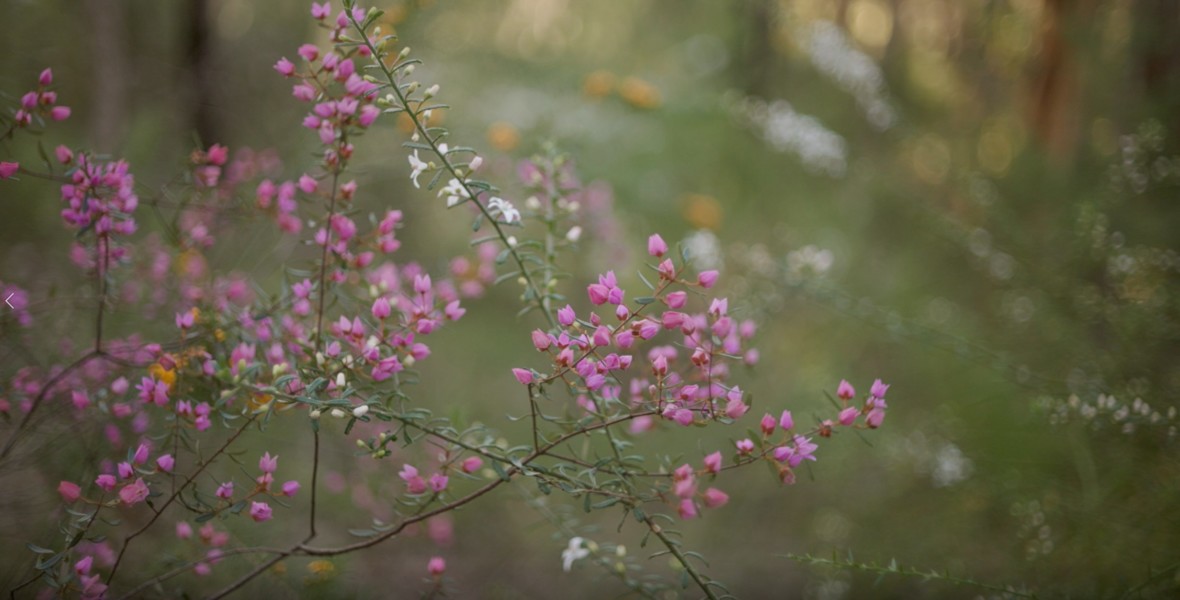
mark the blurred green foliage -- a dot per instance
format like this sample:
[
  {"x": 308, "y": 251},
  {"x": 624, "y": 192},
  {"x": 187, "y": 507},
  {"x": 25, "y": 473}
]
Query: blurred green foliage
[{"x": 999, "y": 244}]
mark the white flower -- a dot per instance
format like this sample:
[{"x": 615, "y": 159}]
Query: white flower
[
  {"x": 574, "y": 552},
  {"x": 574, "y": 234},
  {"x": 505, "y": 208},
  {"x": 455, "y": 192},
  {"x": 360, "y": 411},
  {"x": 418, "y": 166}
]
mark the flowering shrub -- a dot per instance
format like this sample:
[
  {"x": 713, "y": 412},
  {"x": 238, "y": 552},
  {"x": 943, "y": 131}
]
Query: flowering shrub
[{"x": 336, "y": 345}]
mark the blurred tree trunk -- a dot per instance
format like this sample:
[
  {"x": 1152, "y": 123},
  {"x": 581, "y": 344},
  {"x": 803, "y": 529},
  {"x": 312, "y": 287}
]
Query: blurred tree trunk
[
  {"x": 202, "y": 83},
  {"x": 1157, "y": 26},
  {"x": 108, "y": 33},
  {"x": 1054, "y": 111},
  {"x": 756, "y": 48}
]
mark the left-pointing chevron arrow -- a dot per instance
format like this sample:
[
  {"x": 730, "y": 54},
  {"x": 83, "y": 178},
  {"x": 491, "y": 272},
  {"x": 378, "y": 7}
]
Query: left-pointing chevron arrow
[{"x": 8, "y": 300}]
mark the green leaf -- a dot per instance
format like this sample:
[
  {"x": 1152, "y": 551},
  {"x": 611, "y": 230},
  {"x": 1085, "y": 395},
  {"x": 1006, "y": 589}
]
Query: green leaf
[
  {"x": 644, "y": 300},
  {"x": 38, "y": 549}
]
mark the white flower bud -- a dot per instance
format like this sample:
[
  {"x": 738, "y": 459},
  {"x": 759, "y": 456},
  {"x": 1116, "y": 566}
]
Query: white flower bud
[
  {"x": 476, "y": 163},
  {"x": 336, "y": 412},
  {"x": 432, "y": 91},
  {"x": 512, "y": 241},
  {"x": 360, "y": 411},
  {"x": 574, "y": 233},
  {"x": 315, "y": 414},
  {"x": 341, "y": 381},
  {"x": 361, "y": 444},
  {"x": 408, "y": 361},
  {"x": 532, "y": 203}
]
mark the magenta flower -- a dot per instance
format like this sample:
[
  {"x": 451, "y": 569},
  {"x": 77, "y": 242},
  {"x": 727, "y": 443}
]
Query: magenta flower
[
  {"x": 786, "y": 422},
  {"x": 268, "y": 463},
  {"x": 656, "y": 246},
  {"x": 166, "y": 462},
  {"x": 134, "y": 493},
  {"x": 713, "y": 462},
  {"x": 436, "y": 566},
  {"x": 715, "y": 498},
  {"x": 414, "y": 482},
  {"x": 566, "y": 316},
  {"x": 285, "y": 67},
  {"x": 471, "y": 464},
  {"x": 7, "y": 169},
  {"x": 524, "y": 376},
  {"x": 767, "y": 424},
  {"x": 290, "y": 488},
  {"x": 381, "y": 309},
  {"x": 845, "y": 390},
  {"x": 69, "y": 491},
  {"x": 707, "y": 279},
  {"x": 260, "y": 511},
  {"x": 106, "y": 482}
]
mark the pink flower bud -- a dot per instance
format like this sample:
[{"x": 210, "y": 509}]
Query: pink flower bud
[
  {"x": 676, "y": 299},
  {"x": 715, "y": 498},
  {"x": 106, "y": 482},
  {"x": 541, "y": 340},
  {"x": 566, "y": 316},
  {"x": 767, "y": 424},
  {"x": 786, "y": 422},
  {"x": 707, "y": 279},
  {"x": 471, "y": 464},
  {"x": 268, "y": 463},
  {"x": 524, "y": 376},
  {"x": 687, "y": 509},
  {"x": 438, "y": 482},
  {"x": 260, "y": 511},
  {"x": 845, "y": 390},
  {"x": 59, "y": 113},
  {"x": 285, "y": 67},
  {"x": 436, "y": 566},
  {"x": 381, "y": 308},
  {"x": 745, "y": 446},
  {"x": 848, "y": 416},
  {"x": 70, "y": 492},
  {"x": 713, "y": 462},
  {"x": 878, "y": 389},
  {"x": 290, "y": 488},
  {"x": 46, "y": 77},
  {"x": 656, "y": 245},
  {"x": 598, "y": 293},
  {"x": 309, "y": 52},
  {"x": 7, "y": 169},
  {"x": 165, "y": 462}
]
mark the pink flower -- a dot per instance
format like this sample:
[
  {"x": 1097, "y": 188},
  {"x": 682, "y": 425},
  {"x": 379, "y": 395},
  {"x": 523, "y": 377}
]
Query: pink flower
[
  {"x": 876, "y": 412},
  {"x": 566, "y": 316},
  {"x": 369, "y": 114},
  {"x": 46, "y": 77},
  {"x": 307, "y": 183},
  {"x": 707, "y": 279},
  {"x": 878, "y": 389},
  {"x": 848, "y": 416},
  {"x": 166, "y": 462},
  {"x": 64, "y": 155},
  {"x": 786, "y": 422},
  {"x": 82, "y": 567},
  {"x": 260, "y": 511},
  {"x": 715, "y": 498},
  {"x": 225, "y": 491},
  {"x": 290, "y": 488},
  {"x": 687, "y": 509},
  {"x": 676, "y": 299},
  {"x": 59, "y": 113},
  {"x": 438, "y": 482},
  {"x": 734, "y": 407},
  {"x": 184, "y": 531},
  {"x": 141, "y": 454},
  {"x": 309, "y": 52},
  {"x": 320, "y": 12},
  {"x": 471, "y": 464},
  {"x": 106, "y": 482},
  {"x": 414, "y": 482},
  {"x": 268, "y": 463},
  {"x": 845, "y": 390},
  {"x": 745, "y": 446},
  {"x": 524, "y": 376},
  {"x": 7, "y": 169},
  {"x": 541, "y": 340},
  {"x": 381, "y": 308},
  {"x": 436, "y": 566},
  {"x": 125, "y": 470},
  {"x": 69, "y": 491},
  {"x": 285, "y": 67},
  {"x": 767, "y": 424},
  {"x": 656, "y": 245},
  {"x": 134, "y": 493},
  {"x": 713, "y": 462},
  {"x": 598, "y": 293}
]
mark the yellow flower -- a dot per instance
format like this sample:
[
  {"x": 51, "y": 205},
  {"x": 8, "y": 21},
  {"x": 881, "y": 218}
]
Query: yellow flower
[
  {"x": 503, "y": 136},
  {"x": 639, "y": 93},
  {"x": 598, "y": 84},
  {"x": 702, "y": 212},
  {"x": 159, "y": 373}
]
